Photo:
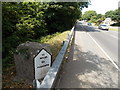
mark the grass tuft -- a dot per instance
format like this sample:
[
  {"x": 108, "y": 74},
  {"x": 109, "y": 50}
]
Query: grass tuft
[{"x": 55, "y": 41}]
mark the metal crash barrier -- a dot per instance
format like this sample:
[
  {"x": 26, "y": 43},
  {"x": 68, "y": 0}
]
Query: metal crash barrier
[{"x": 51, "y": 76}]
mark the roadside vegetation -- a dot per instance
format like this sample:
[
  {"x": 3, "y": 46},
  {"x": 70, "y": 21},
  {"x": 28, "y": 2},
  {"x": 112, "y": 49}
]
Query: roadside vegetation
[
  {"x": 55, "y": 41},
  {"x": 92, "y": 17},
  {"x": 114, "y": 29},
  {"x": 38, "y": 22},
  {"x": 29, "y": 21}
]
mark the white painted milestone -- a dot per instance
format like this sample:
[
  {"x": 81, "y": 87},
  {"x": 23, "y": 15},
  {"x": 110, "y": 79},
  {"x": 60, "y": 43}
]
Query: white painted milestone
[{"x": 42, "y": 63}]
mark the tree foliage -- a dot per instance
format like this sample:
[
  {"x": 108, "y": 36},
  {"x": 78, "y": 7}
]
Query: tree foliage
[
  {"x": 31, "y": 20},
  {"x": 93, "y": 17},
  {"x": 88, "y": 14},
  {"x": 114, "y": 15},
  {"x": 62, "y": 16},
  {"x": 109, "y": 14}
]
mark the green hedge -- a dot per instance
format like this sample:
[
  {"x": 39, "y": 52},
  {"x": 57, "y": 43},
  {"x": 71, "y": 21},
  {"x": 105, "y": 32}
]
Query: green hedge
[{"x": 31, "y": 20}]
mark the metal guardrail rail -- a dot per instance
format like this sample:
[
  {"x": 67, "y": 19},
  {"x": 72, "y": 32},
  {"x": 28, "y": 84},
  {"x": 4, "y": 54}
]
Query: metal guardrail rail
[{"x": 50, "y": 78}]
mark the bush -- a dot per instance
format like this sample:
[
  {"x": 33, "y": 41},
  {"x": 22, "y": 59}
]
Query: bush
[
  {"x": 32, "y": 20},
  {"x": 116, "y": 24}
]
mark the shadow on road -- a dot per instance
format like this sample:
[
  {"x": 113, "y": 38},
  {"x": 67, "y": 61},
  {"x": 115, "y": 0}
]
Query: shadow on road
[
  {"x": 87, "y": 70},
  {"x": 86, "y": 28}
]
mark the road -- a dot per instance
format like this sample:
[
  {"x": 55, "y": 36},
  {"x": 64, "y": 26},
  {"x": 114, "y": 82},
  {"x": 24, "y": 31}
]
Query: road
[
  {"x": 93, "y": 60},
  {"x": 108, "y": 41}
]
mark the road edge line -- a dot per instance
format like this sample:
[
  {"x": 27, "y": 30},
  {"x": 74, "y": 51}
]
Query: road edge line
[{"x": 104, "y": 52}]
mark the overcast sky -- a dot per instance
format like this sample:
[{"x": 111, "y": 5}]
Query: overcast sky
[{"x": 102, "y": 6}]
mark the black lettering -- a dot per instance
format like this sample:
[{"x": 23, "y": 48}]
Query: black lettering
[
  {"x": 43, "y": 57},
  {"x": 43, "y": 66},
  {"x": 43, "y": 62},
  {"x": 43, "y": 54}
]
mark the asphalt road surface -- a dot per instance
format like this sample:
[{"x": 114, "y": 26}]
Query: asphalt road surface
[{"x": 93, "y": 60}]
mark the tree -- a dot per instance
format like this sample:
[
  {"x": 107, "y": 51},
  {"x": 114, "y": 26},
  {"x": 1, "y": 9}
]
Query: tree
[
  {"x": 99, "y": 16},
  {"x": 88, "y": 14},
  {"x": 100, "y": 20},
  {"x": 31, "y": 20},
  {"x": 21, "y": 22},
  {"x": 93, "y": 19},
  {"x": 31, "y": 23},
  {"x": 109, "y": 14},
  {"x": 62, "y": 16},
  {"x": 114, "y": 15}
]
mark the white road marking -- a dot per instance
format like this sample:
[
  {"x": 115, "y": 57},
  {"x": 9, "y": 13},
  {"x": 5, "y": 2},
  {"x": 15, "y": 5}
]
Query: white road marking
[{"x": 105, "y": 53}]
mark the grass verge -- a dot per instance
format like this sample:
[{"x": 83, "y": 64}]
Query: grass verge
[
  {"x": 55, "y": 41},
  {"x": 114, "y": 29}
]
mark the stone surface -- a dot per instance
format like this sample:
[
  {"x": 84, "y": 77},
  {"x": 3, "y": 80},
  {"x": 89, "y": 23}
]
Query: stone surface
[{"x": 24, "y": 57}]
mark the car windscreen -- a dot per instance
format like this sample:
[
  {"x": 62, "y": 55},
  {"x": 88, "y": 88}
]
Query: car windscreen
[{"x": 104, "y": 25}]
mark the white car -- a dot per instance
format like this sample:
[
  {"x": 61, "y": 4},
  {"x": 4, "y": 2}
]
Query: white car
[{"x": 103, "y": 27}]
